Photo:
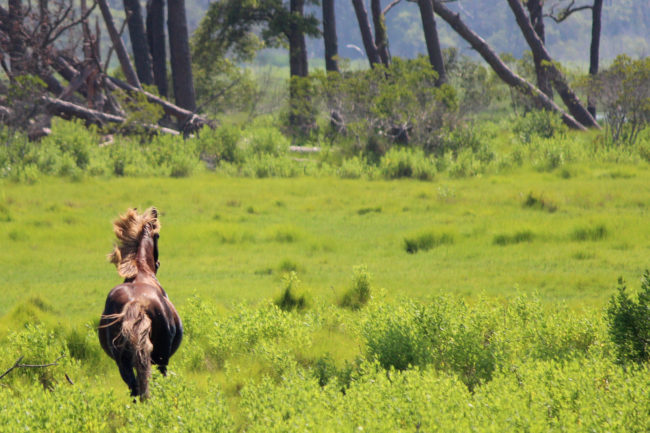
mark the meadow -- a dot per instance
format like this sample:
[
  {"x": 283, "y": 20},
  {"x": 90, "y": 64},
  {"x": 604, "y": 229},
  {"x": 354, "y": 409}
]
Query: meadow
[
  {"x": 510, "y": 272},
  {"x": 480, "y": 289}
]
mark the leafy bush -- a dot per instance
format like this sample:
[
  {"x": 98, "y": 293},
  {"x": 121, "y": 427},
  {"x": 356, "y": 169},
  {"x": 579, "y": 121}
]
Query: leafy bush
[
  {"x": 532, "y": 201},
  {"x": 426, "y": 241},
  {"x": 405, "y": 163},
  {"x": 359, "y": 294},
  {"x": 538, "y": 123},
  {"x": 629, "y": 322},
  {"x": 292, "y": 297},
  {"x": 623, "y": 91},
  {"x": 595, "y": 233},
  {"x": 220, "y": 144},
  {"x": 381, "y": 107},
  {"x": 516, "y": 238}
]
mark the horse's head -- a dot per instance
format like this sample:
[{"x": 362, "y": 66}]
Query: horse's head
[{"x": 137, "y": 248}]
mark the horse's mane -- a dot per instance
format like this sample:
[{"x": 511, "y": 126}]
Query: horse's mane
[{"x": 128, "y": 228}]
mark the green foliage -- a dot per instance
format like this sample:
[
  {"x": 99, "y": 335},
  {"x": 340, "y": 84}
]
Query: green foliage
[
  {"x": 358, "y": 295},
  {"x": 140, "y": 113},
  {"x": 623, "y": 92},
  {"x": 23, "y": 97},
  {"x": 427, "y": 240},
  {"x": 293, "y": 296},
  {"x": 400, "y": 162},
  {"x": 220, "y": 144},
  {"x": 629, "y": 322},
  {"x": 593, "y": 233},
  {"x": 383, "y": 106},
  {"x": 538, "y": 123},
  {"x": 532, "y": 201},
  {"x": 516, "y": 238}
]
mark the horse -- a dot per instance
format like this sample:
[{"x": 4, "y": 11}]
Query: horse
[{"x": 139, "y": 326}]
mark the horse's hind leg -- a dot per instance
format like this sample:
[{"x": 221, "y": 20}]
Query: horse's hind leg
[{"x": 125, "y": 365}]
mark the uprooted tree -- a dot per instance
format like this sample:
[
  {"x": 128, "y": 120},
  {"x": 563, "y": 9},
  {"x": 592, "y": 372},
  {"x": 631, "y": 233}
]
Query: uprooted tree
[{"x": 52, "y": 58}]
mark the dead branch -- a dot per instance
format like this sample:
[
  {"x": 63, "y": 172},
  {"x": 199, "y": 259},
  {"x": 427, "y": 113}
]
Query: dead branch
[
  {"x": 118, "y": 44},
  {"x": 18, "y": 364},
  {"x": 391, "y": 6},
  {"x": 67, "y": 110},
  {"x": 566, "y": 12},
  {"x": 188, "y": 119}
]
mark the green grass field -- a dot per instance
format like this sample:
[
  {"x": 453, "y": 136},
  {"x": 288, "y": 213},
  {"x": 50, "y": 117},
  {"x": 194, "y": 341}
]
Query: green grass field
[
  {"x": 231, "y": 239},
  {"x": 507, "y": 244}
]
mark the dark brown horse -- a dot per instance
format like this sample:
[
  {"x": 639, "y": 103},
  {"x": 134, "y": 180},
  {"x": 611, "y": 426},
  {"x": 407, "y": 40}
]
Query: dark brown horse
[{"x": 140, "y": 326}]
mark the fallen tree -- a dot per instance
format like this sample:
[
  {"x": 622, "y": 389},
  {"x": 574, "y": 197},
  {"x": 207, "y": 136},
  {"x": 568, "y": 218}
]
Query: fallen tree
[
  {"x": 499, "y": 66},
  {"x": 76, "y": 84}
]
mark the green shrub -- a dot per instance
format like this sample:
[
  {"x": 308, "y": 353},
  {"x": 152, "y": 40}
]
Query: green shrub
[
  {"x": 264, "y": 140},
  {"x": 516, "y": 238},
  {"x": 220, "y": 144},
  {"x": 595, "y": 233},
  {"x": 426, "y": 241},
  {"x": 532, "y": 201},
  {"x": 359, "y": 294},
  {"x": 406, "y": 163},
  {"x": 73, "y": 138},
  {"x": 629, "y": 322},
  {"x": 293, "y": 297},
  {"x": 538, "y": 123}
]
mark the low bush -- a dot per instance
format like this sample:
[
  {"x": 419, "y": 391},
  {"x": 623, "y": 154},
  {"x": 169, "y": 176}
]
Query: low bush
[
  {"x": 426, "y": 241},
  {"x": 629, "y": 322},
  {"x": 405, "y": 163},
  {"x": 359, "y": 294},
  {"x": 594, "y": 233},
  {"x": 516, "y": 238},
  {"x": 293, "y": 297},
  {"x": 538, "y": 123}
]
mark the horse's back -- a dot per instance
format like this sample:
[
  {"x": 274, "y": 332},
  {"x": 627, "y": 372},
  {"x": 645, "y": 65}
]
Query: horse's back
[{"x": 166, "y": 327}]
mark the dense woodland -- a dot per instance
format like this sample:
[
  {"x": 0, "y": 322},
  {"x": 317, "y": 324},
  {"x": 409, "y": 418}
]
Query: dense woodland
[{"x": 59, "y": 54}]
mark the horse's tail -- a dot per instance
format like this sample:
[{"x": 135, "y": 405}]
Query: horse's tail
[{"x": 136, "y": 331}]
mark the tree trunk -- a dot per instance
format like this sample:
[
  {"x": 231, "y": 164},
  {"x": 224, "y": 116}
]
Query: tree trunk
[
  {"x": 596, "y": 15},
  {"x": 297, "y": 49},
  {"x": 431, "y": 38},
  {"x": 181, "y": 61},
  {"x": 156, "y": 39},
  {"x": 118, "y": 45},
  {"x": 381, "y": 38},
  {"x": 329, "y": 37},
  {"x": 535, "y": 12},
  {"x": 299, "y": 99},
  {"x": 499, "y": 67},
  {"x": 139, "y": 44},
  {"x": 577, "y": 110},
  {"x": 366, "y": 33},
  {"x": 16, "y": 38}
]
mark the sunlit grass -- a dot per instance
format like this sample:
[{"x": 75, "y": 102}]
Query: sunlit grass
[{"x": 231, "y": 239}]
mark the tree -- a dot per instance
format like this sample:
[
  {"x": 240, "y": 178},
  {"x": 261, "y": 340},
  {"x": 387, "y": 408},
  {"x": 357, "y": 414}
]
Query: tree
[
  {"x": 570, "y": 99},
  {"x": 499, "y": 67},
  {"x": 156, "y": 41},
  {"x": 432, "y": 40},
  {"x": 329, "y": 36},
  {"x": 535, "y": 13},
  {"x": 180, "y": 57},
  {"x": 366, "y": 32},
  {"x": 139, "y": 44},
  {"x": 594, "y": 50},
  {"x": 381, "y": 38},
  {"x": 230, "y": 26}
]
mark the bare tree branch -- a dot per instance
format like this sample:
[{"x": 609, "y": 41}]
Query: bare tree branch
[
  {"x": 566, "y": 12},
  {"x": 391, "y": 6},
  {"x": 17, "y": 364},
  {"x": 72, "y": 24}
]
